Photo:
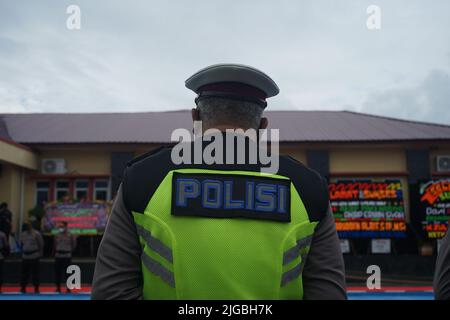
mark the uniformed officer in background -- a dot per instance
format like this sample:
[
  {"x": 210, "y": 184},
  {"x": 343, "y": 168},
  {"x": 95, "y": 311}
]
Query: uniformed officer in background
[
  {"x": 63, "y": 247},
  {"x": 4, "y": 251},
  {"x": 5, "y": 220},
  {"x": 442, "y": 271},
  {"x": 221, "y": 231},
  {"x": 32, "y": 250}
]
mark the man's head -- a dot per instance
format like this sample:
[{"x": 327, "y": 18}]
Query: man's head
[
  {"x": 223, "y": 113},
  {"x": 27, "y": 226},
  {"x": 3, "y": 206},
  {"x": 63, "y": 226},
  {"x": 231, "y": 96}
]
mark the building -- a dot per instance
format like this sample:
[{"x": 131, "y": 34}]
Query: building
[{"x": 44, "y": 156}]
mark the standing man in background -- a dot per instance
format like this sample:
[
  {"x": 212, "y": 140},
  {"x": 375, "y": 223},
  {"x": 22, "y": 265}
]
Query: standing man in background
[
  {"x": 5, "y": 220},
  {"x": 4, "y": 251},
  {"x": 63, "y": 248},
  {"x": 32, "y": 250}
]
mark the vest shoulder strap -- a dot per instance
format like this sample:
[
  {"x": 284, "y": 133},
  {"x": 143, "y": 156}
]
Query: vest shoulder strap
[
  {"x": 142, "y": 177},
  {"x": 145, "y": 155},
  {"x": 311, "y": 186}
]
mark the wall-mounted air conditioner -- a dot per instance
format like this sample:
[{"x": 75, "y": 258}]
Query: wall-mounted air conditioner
[
  {"x": 53, "y": 166},
  {"x": 443, "y": 163}
]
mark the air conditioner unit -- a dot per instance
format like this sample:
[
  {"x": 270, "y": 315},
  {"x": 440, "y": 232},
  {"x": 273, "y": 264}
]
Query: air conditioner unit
[
  {"x": 443, "y": 163},
  {"x": 53, "y": 166}
]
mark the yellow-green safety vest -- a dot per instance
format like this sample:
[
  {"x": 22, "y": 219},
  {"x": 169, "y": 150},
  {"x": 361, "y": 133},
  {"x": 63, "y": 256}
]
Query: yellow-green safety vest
[{"x": 209, "y": 258}]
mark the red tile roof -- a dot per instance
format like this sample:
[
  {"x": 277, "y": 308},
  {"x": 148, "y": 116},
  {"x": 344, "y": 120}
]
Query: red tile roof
[{"x": 156, "y": 127}]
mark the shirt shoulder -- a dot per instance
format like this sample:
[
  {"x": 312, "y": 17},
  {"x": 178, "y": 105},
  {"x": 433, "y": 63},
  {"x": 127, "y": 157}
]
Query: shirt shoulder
[
  {"x": 37, "y": 234},
  {"x": 143, "y": 175},
  {"x": 146, "y": 156},
  {"x": 311, "y": 186}
]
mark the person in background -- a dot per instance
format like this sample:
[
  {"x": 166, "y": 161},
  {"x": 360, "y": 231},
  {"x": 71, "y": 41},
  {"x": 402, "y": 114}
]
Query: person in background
[
  {"x": 32, "y": 250},
  {"x": 5, "y": 219},
  {"x": 63, "y": 247},
  {"x": 4, "y": 251},
  {"x": 441, "y": 281},
  {"x": 14, "y": 245}
]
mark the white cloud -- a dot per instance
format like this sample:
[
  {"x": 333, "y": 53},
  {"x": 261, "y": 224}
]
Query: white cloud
[
  {"x": 427, "y": 101},
  {"x": 135, "y": 55}
]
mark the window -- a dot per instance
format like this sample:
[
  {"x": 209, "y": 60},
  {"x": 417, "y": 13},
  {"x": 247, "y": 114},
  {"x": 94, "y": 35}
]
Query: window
[
  {"x": 81, "y": 190},
  {"x": 61, "y": 190},
  {"x": 42, "y": 192},
  {"x": 101, "y": 190}
]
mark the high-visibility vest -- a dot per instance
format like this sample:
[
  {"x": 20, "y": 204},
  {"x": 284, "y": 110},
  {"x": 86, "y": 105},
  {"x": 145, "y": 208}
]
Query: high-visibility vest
[{"x": 210, "y": 258}]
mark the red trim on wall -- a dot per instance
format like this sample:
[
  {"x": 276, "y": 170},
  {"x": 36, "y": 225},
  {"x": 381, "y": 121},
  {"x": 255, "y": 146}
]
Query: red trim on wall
[
  {"x": 67, "y": 176},
  {"x": 368, "y": 174},
  {"x": 51, "y": 190},
  {"x": 440, "y": 174},
  {"x": 71, "y": 187},
  {"x": 90, "y": 189}
]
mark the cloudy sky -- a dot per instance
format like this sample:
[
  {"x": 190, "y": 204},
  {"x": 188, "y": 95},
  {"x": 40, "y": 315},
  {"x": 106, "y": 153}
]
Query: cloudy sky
[{"x": 135, "y": 55}]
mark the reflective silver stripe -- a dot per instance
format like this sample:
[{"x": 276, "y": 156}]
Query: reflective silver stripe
[
  {"x": 295, "y": 272},
  {"x": 155, "y": 244},
  {"x": 293, "y": 253},
  {"x": 158, "y": 270}
]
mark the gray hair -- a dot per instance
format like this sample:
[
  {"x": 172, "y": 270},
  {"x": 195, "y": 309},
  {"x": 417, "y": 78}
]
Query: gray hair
[{"x": 216, "y": 111}]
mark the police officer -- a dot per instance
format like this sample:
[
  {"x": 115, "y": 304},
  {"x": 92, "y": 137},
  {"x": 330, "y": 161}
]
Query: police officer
[
  {"x": 4, "y": 251},
  {"x": 5, "y": 219},
  {"x": 189, "y": 230},
  {"x": 32, "y": 250},
  {"x": 63, "y": 248}
]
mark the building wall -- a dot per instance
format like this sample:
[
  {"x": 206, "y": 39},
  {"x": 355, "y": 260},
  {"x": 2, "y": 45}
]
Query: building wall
[
  {"x": 373, "y": 160},
  {"x": 296, "y": 151},
  {"x": 437, "y": 152},
  {"x": 346, "y": 161},
  {"x": 82, "y": 161},
  {"x": 10, "y": 190},
  {"x": 30, "y": 194},
  {"x": 17, "y": 154}
]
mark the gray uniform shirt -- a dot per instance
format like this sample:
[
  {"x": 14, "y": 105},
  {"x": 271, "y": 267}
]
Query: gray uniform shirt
[
  {"x": 118, "y": 272},
  {"x": 64, "y": 245},
  {"x": 442, "y": 272},
  {"x": 32, "y": 244}
]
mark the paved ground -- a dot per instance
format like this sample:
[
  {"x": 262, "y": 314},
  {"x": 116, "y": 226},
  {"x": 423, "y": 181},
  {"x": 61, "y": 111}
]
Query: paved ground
[{"x": 354, "y": 293}]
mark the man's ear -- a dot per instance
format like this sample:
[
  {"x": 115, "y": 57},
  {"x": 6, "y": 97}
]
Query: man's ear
[
  {"x": 195, "y": 114},
  {"x": 264, "y": 123}
]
